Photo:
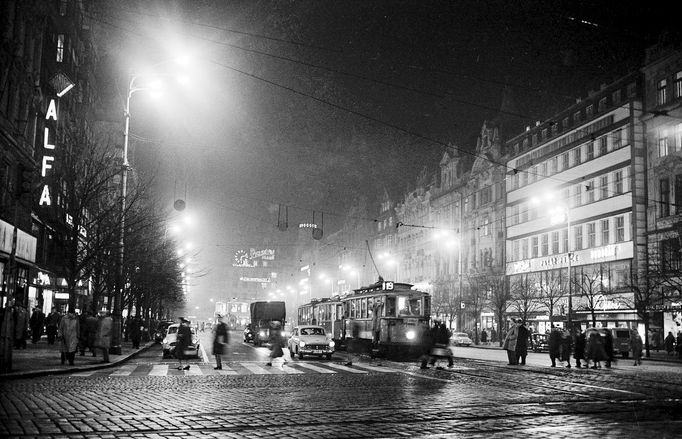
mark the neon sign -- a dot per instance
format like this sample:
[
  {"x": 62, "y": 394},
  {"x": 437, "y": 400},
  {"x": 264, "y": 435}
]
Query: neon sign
[{"x": 50, "y": 115}]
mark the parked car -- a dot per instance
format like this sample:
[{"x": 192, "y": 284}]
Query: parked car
[
  {"x": 170, "y": 341},
  {"x": 161, "y": 330},
  {"x": 460, "y": 339},
  {"x": 621, "y": 340},
  {"x": 539, "y": 342},
  {"x": 310, "y": 340}
]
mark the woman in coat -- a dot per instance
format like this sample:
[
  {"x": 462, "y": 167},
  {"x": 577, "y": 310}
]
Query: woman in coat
[
  {"x": 522, "y": 343},
  {"x": 69, "y": 331},
  {"x": 579, "y": 351},
  {"x": 105, "y": 326},
  {"x": 510, "y": 343},
  {"x": 595, "y": 349},
  {"x": 275, "y": 340},
  {"x": 220, "y": 339}
]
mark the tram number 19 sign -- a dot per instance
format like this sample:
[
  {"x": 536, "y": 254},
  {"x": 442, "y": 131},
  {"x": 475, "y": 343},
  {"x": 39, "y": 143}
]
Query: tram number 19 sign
[
  {"x": 388, "y": 286},
  {"x": 48, "y": 155}
]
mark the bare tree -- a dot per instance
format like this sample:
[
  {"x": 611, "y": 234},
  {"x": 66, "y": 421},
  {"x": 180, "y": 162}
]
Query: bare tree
[
  {"x": 475, "y": 298},
  {"x": 498, "y": 299},
  {"x": 525, "y": 295},
  {"x": 594, "y": 286},
  {"x": 552, "y": 288}
]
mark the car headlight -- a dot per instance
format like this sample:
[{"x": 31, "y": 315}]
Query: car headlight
[
  {"x": 410, "y": 335},
  {"x": 301, "y": 343},
  {"x": 331, "y": 343},
  {"x": 262, "y": 334},
  {"x": 165, "y": 341}
]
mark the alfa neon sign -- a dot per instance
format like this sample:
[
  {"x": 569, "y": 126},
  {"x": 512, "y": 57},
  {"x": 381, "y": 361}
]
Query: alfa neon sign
[{"x": 48, "y": 151}]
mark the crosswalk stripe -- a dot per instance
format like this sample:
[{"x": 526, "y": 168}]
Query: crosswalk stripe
[
  {"x": 226, "y": 371},
  {"x": 291, "y": 370},
  {"x": 256, "y": 369},
  {"x": 315, "y": 368},
  {"x": 124, "y": 370},
  {"x": 345, "y": 368},
  {"x": 194, "y": 370},
  {"x": 374, "y": 368},
  {"x": 159, "y": 370},
  {"x": 85, "y": 373}
]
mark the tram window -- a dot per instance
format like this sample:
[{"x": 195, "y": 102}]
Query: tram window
[
  {"x": 370, "y": 307},
  {"x": 390, "y": 307},
  {"x": 352, "y": 309},
  {"x": 409, "y": 307},
  {"x": 363, "y": 308}
]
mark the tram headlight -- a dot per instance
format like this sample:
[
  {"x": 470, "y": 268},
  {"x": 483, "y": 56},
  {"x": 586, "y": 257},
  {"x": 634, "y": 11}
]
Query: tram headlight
[
  {"x": 331, "y": 343},
  {"x": 410, "y": 334}
]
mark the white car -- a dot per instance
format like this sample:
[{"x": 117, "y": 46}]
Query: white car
[
  {"x": 310, "y": 340},
  {"x": 170, "y": 340},
  {"x": 460, "y": 339}
]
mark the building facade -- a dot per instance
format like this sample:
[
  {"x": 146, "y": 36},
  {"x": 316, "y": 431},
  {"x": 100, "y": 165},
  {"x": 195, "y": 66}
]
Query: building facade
[{"x": 576, "y": 223}]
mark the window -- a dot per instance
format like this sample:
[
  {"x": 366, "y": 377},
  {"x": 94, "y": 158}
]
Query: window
[
  {"x": 662, "y": 146},
  {"x": 554, "y": 164},
  {"x": 564, "y": 123},
  {"x": 578, "y": 237},
  {"x": 63, "y": 6},
  {"x": 620, "y": 228},
  {"x": 590, "y": 191},
  {"x": 601, "y": 106},
  {"x": 578, "y": 195},
  {"x": 515, "y": 214},
  {"x": 545, "y": 244},
  {"x": 618, "y": 182},
  {"x": 524, "y": 249},
  {"x": 533, "y": 174},
  {"x": 564, "y": 161},
  {"x": 543, "y": 169},
  {"x": 577, "y": 159},
  {"x": 661, "y": 95},
  {"x": 485, "y": 227},
  {"x": 671, "y": 255},
  {"x": 524, "y": 212},
  {"x": 544, "y": 133},
  {"x": 677, "y": 137},
  {"x": 604, "y": 187},
  {"x": 590, "y": 151},
  {"x": 617, "y": 139},
  {"x": 515, "y": 250},
  {"x": 605, "y": 238},
  {"x": 677, "y": 85},
  {"x": 603, "y": 147},
  {"x": 589, "y": 111},
  {"x": 555, "y": 243},
  {"x": 591, "y": 235},
  {"x": 615, "y": 97},
  {"x": 534, "y": 246},
  {"x": 564, "y": 239},
  {"x": 60, "y": 48},
  {"x": 534, "y": 139},
  {"x": 576, "y": 117},
  {"x": 664, "y": 202}
]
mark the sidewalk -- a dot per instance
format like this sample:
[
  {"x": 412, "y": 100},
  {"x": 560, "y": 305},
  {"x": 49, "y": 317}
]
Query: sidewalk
[
  {"x": 661, "y": 355},
  {"x": 43, "y": 359}
]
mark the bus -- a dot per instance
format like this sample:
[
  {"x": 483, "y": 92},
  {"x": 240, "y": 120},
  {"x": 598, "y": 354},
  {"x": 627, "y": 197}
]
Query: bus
[{"x": 387, "y": 317}]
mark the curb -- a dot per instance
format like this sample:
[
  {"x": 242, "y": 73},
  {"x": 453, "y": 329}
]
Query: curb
[{"x": 44, "y": 372}]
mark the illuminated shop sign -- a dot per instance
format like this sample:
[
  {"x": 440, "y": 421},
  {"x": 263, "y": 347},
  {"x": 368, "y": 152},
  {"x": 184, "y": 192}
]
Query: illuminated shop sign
[
  {"x": 307, "y": 226},
  {"x": 607, "y": 253},
  {"x": 48, "y": 151},
  {"x": 256, "y": 279},
  {"x": 267, "y": 254}
]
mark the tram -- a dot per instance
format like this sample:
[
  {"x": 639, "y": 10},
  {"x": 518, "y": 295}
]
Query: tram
[
  {"x": 328, "y": 313},
  {"x": 387, "y": 317}
]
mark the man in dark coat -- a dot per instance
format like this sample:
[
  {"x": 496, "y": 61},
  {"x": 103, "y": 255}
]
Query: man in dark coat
[
  {"x": 37, "y": 322},
  {"x": 554, "y": 343},
  {"x": 220, "y": 339},
  {"x": 579, "y": 351},
  {"x": 51, "y": 324},
  {"x": 184, "y": 338},
  {"x": 135, "y": 332},
  {"x": 441, "y": 344},
  {"x": 522, "y": 343},
  {"x": 426, "y": 342}
]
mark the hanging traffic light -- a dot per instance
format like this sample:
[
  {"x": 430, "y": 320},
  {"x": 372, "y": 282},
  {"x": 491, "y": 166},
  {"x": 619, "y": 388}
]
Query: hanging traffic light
[{"x": 24, "y": 184}]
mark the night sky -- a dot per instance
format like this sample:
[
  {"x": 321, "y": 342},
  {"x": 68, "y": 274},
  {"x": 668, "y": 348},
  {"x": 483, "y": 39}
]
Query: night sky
[{"x": 317, "y": 104}]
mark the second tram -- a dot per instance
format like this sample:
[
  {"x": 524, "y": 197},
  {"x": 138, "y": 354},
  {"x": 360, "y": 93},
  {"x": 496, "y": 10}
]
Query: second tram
[{"x": 327, "y": 313}]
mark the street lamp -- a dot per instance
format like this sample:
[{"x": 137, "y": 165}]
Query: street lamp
[{"x": 117, "y": 320}]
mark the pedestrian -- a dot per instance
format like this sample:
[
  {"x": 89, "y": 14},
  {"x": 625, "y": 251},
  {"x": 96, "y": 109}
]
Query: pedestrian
[
  {"x": 484, "y": 337},
  {"x": 579, "y": 348},
  {"x": 353, "y": 347},
  {"x": 21, "y": 319},
  {"x": 51, "y": 324},
  {"x": 91, "y": 331},
  {"x": 220, "y": 340},
  {"x": 636, "y": 346},
  {"x": 510, "y": 341},
  {"x": 595, "y": 348},
  {"x": 554, "y": 345},
  {"x": 522, "y": 343},
  {"x": 135, "y": 331},
  {"x": 82, "y": 335},
  {"x": 103, "y": 337},
  {"x": 566, "y": 348},
  {"x": 441, "y": 348},
  {"x": 69, "y": 331},
  {"x": 37, "y": 322},
  {"x": 276, "y": 343},
  {"x": 426, "y": 343},
  {"x": 183, "y": 340},
  {"x": 608, "y": 347},
  {"x": 679, "y": 344},
  {"x": 669, "y": 343}
]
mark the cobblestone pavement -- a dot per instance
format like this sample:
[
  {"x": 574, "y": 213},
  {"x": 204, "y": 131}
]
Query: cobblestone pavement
[{"x": 473, "y": 399}]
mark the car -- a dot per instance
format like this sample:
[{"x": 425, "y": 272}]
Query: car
[
  {"x": 161, "y": 330},
  {"x": 248, "y": 334},
  {"x": 170, "y": 340},
  {"x": 310, "y": 340},
  {"x": 539, "y": 342},
  {"x": 460, "y": 339}
]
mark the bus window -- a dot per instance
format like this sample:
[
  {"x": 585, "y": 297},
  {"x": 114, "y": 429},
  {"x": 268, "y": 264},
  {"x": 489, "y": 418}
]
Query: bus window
[{"x": 390, "y": 307}]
